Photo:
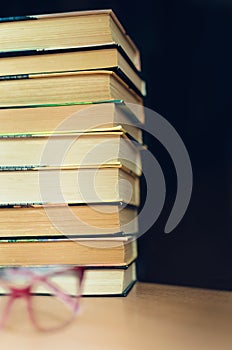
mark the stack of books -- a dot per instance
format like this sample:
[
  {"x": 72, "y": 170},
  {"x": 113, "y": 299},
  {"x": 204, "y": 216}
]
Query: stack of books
[{"x": 70, "y": 115}]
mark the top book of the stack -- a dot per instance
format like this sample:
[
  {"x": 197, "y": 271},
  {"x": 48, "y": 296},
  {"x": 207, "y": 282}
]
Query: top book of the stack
[{"x": 65, "y": 30}]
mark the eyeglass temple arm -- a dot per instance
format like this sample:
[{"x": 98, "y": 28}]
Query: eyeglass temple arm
[{"x": 59, "y": 294}]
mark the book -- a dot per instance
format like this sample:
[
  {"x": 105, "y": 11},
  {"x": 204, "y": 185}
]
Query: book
[
  {"x": 106, "y": 184},
  {"x": 110, "y": 281},
  {"x": 46, "y": 119},
  {"x": 98, "y": 281},
  {"x": 84, "y": 149},
  {"x": 109, "y": 57},
  {"x": 67, "y": 87},
  {"x": 67, "y": 220},
  {"x": 87, "y": 252},
  {"x": 65, "y": 30}
]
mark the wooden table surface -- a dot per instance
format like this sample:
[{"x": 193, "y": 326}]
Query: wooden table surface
[{"x": 151, "y": 317}]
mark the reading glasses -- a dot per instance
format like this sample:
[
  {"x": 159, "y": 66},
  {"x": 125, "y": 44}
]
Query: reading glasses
[{"x": 59, "y": 289}]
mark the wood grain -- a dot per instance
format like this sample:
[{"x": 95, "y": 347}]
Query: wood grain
[{"x": 151, "y": 317}]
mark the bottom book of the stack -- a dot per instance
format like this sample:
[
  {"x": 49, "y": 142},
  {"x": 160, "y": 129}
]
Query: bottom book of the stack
[
  {"x": 101, "y": 281},
  {"x": 98, "y": 281}
]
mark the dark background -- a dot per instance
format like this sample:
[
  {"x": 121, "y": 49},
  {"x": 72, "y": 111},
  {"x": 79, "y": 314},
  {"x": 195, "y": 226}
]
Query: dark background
[{"x": 186, "y": 60}]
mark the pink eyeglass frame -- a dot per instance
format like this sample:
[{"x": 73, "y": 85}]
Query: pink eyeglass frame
[{"x": 26, "y": 292}]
